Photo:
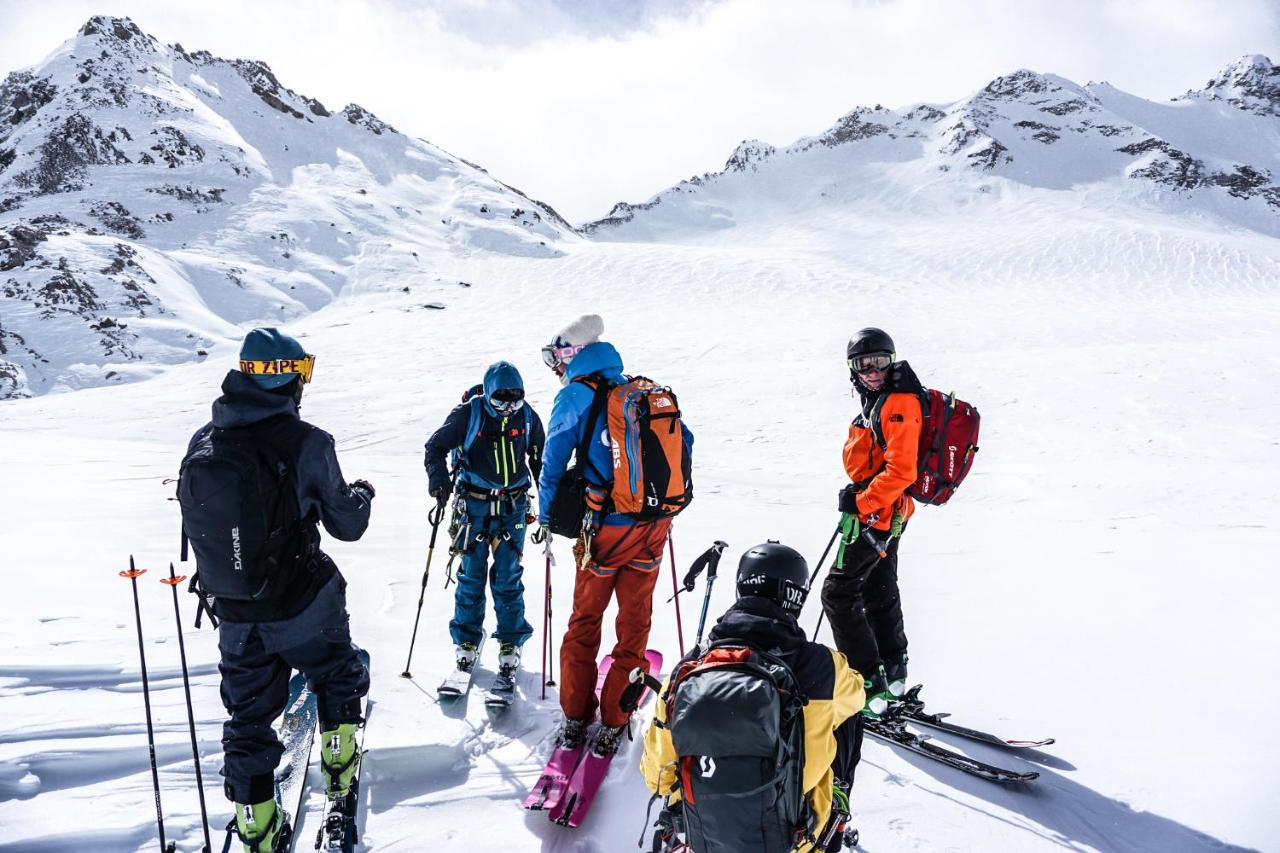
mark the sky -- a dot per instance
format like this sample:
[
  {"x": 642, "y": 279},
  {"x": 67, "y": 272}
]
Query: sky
[{"x": 585, "y": 103}]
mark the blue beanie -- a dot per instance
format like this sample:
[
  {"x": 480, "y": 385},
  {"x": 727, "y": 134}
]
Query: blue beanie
[{"x": 268, "y": 345}]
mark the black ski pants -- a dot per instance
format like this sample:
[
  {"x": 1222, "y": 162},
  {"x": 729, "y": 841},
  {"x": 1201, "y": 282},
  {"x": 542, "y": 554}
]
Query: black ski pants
[
  {"x": 860, "y": 598},
  {"x": 258, "y": 658}
]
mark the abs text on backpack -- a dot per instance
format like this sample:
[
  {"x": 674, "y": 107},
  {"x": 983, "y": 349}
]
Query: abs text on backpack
[
  {"x": 240, "y": 514},
  {"x": 737, "y": 724},
  {"x": 652, "y": 475}
]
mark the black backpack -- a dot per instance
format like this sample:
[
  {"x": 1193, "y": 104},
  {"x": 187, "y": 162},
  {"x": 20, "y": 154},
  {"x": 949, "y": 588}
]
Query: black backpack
[
  {"x": 240, "y": 514},
  {"x": 736, "y": 717}
]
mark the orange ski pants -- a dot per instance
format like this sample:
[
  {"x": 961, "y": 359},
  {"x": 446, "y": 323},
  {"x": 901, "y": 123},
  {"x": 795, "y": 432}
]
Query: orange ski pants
[{"x": 625, "y": 561}]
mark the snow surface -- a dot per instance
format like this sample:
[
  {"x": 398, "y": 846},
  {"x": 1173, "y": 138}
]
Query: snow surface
[{"x": 1102, "y": 577}]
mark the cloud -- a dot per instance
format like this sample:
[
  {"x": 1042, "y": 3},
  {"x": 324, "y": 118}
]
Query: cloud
[{"x": 583, "y": 104}]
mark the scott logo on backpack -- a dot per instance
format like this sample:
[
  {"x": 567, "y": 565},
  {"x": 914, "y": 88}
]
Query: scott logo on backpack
[{"x": 736, "y": 717}]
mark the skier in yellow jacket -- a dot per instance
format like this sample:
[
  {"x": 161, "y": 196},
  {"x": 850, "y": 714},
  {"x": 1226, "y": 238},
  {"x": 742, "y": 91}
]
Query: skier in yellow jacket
[{"x": 772, "y": 584}]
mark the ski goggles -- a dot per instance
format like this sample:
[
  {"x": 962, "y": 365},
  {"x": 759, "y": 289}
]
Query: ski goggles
[
  {"x": 303, "y": 366},
  {"x": 507, "y": 395},
  {"x": 871, "y": 363},
  {"x": 554, "y": 356}
]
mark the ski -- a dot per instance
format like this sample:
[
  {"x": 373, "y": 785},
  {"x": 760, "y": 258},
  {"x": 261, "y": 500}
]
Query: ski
[
  {"x": 501, "y": 693},
  {"x": 575, "y": 801},
  {"x": 894, "y": 731},
  {"x": 912, "y": 708},
  {"x": 458, "y": 682},
  {"x": 297, "y": 732},
  {"x": 338, "y": 832},
  {"x": 551, "y": 783}
]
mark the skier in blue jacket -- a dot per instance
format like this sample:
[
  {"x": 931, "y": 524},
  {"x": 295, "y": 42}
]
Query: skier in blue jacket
[
  {"x": 495, "y": 438},
  {"x": 620, "y": 555}
]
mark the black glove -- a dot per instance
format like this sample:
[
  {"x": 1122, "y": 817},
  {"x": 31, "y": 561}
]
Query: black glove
[
  {"x": 441, "y": 493},
  {"x": 849, "y": 499},
  {"x": 364, "y": 486},
  {"x": 540, "y": 534}
]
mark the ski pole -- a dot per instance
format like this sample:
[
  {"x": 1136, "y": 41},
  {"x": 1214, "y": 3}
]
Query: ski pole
[
  {"x": 548, "y": 673},
  {"x": 675, "y": 587},
  {"x": 818, "y": 568},
  {"x": 132, "y": 574},
  {"x": 825, "y": 551},
  {"x": 434, "y": 517},
  {"x": 172, "y": 582},
  {"x": 712, "y": 558}
]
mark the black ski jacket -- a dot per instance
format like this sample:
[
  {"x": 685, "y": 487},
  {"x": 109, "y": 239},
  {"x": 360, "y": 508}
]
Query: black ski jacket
[{"x": 323, "y": 495}]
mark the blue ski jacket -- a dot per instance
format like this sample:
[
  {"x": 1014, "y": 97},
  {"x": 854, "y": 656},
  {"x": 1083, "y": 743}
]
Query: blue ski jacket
[
  {"x": 568, "y": 423},
  {"x": 494, "y": 452}
]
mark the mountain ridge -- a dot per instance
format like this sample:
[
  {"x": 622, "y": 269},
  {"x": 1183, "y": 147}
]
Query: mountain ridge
[
  {"x": 153, "y": 198},
  {"x": 1027, "y": 127}
]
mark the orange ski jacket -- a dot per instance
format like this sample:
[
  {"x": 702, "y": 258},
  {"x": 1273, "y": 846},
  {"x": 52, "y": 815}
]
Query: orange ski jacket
[{"x": 890, "y": 470}]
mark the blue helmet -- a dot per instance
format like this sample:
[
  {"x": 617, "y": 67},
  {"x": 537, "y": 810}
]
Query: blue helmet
[{"x": 272, "y": 359}]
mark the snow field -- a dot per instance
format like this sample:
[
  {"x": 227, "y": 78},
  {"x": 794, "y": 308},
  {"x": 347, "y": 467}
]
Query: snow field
[{"x": 1101, "y": 571}]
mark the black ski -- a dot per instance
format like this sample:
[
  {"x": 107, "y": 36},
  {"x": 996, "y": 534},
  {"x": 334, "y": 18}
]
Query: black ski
[
  {"x": 912, "y": 708},
  {"x": 895, "y": 731},
  {"x": 502, "y": 692}
]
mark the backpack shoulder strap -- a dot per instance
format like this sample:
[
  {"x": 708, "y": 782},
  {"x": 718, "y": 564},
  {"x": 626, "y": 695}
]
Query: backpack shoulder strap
[
  {"x": 600, "y": 388},
  {"x": 473, "y": 426}
]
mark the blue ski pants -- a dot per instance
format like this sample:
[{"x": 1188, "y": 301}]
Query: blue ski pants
[{"x": 497, "y": 528}]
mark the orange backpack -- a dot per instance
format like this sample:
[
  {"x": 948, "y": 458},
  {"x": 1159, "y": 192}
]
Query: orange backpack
[{"x": 652, "y": 477}]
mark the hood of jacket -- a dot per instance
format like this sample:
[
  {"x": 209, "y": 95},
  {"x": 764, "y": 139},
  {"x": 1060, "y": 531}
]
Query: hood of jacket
[
  {"x": 761, "y": 624},
  {"x": 501, "y": 374},
  {"x": 599, "y": 357},
  {"x": 243, "y": 403}
]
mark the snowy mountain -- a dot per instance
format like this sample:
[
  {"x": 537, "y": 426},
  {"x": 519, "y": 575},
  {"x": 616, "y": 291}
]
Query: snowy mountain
[
  {"x": 151, "y": 198},
  {"x": 1215, "y": 151},
  {"x": 1105, "y": 576}
]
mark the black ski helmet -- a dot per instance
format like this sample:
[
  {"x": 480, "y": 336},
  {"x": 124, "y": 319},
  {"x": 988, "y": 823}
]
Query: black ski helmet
[
  {"x": 870, "y": 340},
  {"x": 775, "y": 572}
]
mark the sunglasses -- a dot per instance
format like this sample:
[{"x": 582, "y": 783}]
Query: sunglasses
[
  {"x": 507, "y": 395},
  {"x": 554, "y": 356},
  {"x": 281, "y": 366},
  {"x": 871, "y": 363}
]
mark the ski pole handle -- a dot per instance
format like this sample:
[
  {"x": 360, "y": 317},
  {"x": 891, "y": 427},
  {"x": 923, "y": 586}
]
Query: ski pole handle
[{"x": 709, "y": 558}]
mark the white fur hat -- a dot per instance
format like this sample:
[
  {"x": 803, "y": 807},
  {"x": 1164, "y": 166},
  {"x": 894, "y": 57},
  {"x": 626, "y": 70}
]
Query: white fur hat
[{"x": 587, "y": 329}]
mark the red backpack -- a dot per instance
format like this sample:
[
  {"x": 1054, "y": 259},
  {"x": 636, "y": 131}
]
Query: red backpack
[{"x": 948, "y": 441}]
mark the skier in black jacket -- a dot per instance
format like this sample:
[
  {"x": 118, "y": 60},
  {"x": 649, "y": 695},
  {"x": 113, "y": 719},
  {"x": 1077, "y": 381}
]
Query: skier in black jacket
[{"x": 302, "y": 623}]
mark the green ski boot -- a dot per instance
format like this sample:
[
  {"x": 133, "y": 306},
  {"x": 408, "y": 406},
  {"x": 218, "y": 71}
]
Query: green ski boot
[
  {"x": 338, "y": 759},
  {"x": 897, "y": 674},
  {"x": 259, "y": 826},
  {"x": 878, "y": 695}
]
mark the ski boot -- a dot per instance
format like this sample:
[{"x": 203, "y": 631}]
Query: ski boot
[
  {"x": 339, "y": 759},
  {"x": 897, "y": 674},
  {"x": 878, "y": 695},
  {"x": 572, "y": 735},
  {"x": 260, "y": 827},
  {"x": 609, "y": 738},
  {"x": 466, "y": 654},
  {"x": 508, "y": 659}
]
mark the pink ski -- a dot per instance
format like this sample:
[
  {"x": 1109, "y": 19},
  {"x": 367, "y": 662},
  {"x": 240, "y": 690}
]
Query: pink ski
[
  {"x": 555, "y": 776},
  {"x": 575, "y": 801}
]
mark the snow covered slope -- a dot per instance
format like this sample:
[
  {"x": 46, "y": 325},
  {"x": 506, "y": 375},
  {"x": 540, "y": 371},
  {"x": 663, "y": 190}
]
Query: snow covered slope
[
  {"x": 152, "y": 198},
  {"x": 1213, "y": 152},
  {"x": 1106, "y": 576}
]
